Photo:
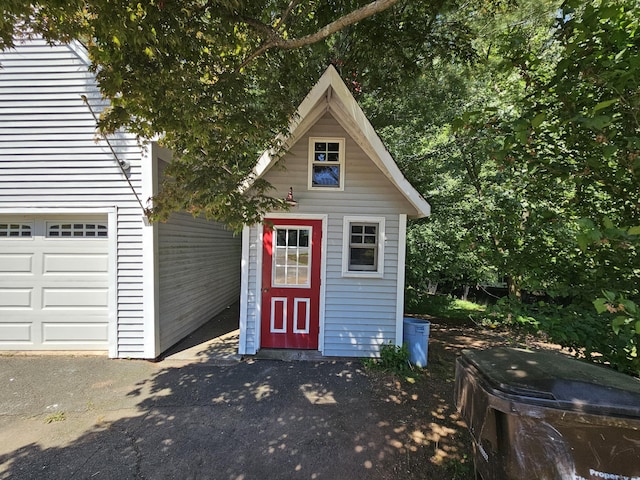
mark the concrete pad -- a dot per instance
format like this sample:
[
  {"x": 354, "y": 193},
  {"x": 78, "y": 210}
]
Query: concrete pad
[{"x": 216, "y": 342}]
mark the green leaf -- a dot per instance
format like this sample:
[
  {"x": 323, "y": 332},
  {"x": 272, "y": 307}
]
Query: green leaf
[
  {"x": 598, "y": 123},
  {"x": 638, "y": 327},
  {"x": 522, "y": 136},
  {"x": 583, "y": 242},
  {"x": 457, "y": 124},
  {"x": 600, "y": 304},
  {"x": 604, "y": 104},
  {"x": 538, "y": 119},
  {"x": 634, "y": 230},
  {"x": 617, "y": 323},
  {"x": 609, "y": 150},
  {"x": 629, "y": 306}
]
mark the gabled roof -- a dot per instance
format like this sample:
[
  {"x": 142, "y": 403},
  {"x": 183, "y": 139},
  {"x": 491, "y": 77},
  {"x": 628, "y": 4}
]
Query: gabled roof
[{"x": 331, "y": 95}]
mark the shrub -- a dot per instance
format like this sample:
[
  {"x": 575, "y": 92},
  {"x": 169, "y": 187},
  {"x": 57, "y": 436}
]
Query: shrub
[
  {"x": 393, "y": 359},
  {"x": 579, "y": 328}
]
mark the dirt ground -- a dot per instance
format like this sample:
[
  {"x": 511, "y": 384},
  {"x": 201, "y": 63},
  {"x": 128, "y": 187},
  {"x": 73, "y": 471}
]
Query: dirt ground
[{"x": 433, "y": 438}]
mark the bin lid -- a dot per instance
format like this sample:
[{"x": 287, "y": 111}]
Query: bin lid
[{"x": 557, "y": 380}]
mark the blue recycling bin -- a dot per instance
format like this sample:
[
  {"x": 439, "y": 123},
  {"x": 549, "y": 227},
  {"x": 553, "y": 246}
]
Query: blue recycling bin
[{"x": 416, "y": 336}]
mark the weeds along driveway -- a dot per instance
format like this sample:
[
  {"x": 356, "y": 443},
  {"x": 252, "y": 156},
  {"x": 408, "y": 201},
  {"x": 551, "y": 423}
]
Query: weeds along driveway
[{"x": 89, "y": 417}]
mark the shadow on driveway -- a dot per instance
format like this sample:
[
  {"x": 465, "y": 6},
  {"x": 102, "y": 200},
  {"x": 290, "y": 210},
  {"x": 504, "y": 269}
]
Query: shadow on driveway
[{"x": 254, "y": 420}]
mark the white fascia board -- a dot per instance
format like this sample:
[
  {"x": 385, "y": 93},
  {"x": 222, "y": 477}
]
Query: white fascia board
[
  {"x": 346, "y": 109},
  {"x": 80, "y": 50},
  {"x": 331, "y": 94},
  {"x": 314, "y": 105},
  {"x": 298, "y": 128}
]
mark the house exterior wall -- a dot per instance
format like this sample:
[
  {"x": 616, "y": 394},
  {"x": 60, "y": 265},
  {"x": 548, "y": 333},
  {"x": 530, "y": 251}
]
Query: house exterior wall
[
  {"x": 360, "y": 314},
  {"x": 51, "y": 162},
  {"x": 196, "y": 265},
  {"x": 199, "y": 274}
]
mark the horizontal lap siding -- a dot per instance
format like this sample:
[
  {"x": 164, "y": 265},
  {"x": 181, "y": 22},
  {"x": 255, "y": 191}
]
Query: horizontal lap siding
[
  {"x": 49, "y": 158},
  {"x": 199, "y": 272},
  {"x": 360, "y": 313}
]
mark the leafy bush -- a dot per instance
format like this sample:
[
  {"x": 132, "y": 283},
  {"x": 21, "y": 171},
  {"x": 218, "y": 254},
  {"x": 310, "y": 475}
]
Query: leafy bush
[
  {"x": 624, "y": 317},
  {"x": 393, "y": 359},
  {"x": 580, "y": 328}
]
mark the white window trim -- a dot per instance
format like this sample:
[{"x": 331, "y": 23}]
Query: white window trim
[
  {"x": 274, "y": 284},
  {"x": 341, "y": 162},
  {"x": 346, "y": 237}
]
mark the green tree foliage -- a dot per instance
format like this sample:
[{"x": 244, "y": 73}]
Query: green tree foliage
[
  {"x": 517, "y": 120},
  {"x": 482, "y": 224},
  {"x": 579, "y": 133},
  {"x": 574, "y": 145},
  {"x": 219, "y": 80}
]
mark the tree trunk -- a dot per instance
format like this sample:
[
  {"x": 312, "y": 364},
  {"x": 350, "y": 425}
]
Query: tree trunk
[{"x": 465, "y": 292}]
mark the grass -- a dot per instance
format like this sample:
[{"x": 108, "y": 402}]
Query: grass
[
  {"x": 56, "y": 417},
  {"x": 444, "y": 306}
]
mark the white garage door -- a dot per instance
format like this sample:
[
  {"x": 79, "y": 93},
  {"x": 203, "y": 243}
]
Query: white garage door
[{"x": 54, "y": 287}]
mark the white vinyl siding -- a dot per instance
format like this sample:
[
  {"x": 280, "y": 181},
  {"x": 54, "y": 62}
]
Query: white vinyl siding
[
  {"x": 360, "y": 313},
  {"x": 199, "y": 274},
  {"x": 50, "y": 159}
]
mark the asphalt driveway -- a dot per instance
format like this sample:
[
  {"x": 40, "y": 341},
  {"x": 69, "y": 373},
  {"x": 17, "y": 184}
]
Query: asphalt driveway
[{"x": 90, "y": 417}]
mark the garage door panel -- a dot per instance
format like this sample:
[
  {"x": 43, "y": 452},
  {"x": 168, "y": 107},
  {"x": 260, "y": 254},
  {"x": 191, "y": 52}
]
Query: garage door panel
[
  {"x": 75, "y": 298},
  {"x": 15, "y": 333},
  {"x": 16, "y": 298},
  {"x": 71, "y": 333},
  {"x": 54, "y": 292},
  {"x": 16, "y": 263},
  {"x": 75, "y": 264}
]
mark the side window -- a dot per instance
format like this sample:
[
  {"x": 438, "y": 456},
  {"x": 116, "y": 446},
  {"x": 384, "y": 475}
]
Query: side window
[
  {"x": 326, "y": 163},
  {"x": 363, "y": 247},
  {"x": 16, "y": 230},
  {"x": 76, "y": 230}
]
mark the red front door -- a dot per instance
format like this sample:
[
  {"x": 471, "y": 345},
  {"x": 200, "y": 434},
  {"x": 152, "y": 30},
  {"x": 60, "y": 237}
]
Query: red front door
[{"x": 291, "y": 283}]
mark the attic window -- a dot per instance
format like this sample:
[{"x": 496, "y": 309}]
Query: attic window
[{"x": 326, "y": 163}]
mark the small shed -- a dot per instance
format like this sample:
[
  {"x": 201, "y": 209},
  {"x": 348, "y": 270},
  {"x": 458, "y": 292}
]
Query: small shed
[{"x": 328, "y": 274}]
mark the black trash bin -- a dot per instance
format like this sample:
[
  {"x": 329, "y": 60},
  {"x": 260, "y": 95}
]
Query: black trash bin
[{"x": 542, "y": 415}]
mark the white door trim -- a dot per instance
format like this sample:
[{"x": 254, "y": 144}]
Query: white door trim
[{"x": 323, "y": 269}]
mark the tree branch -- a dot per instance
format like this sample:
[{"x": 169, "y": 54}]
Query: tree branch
[
  {"x": 285, "y": 14},
  {"x": 278, "y": 41}
]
